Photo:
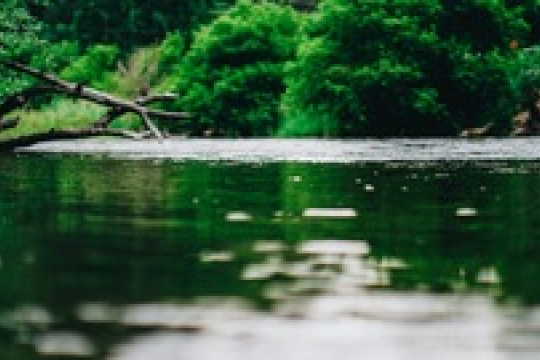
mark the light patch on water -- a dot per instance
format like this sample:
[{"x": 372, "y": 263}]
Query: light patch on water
[
  {"x": 337, "y": 213},
  {"x": 378, "y": 326},
  {"x": 336, "y": 247},
  {"x": 158, "y": 315},
  {"x": 272, "y": 266},
  {"x": 488, "y": 276},
  {"x": 238, "y": 216},
  {"x": 296, "y": 178},
  {"x": 384, "y": 306},
  {"x": 466, "y": 212},
  {"x": 388, "y": 263},
  {"x": 268, "y": 246},
  {"x": 521, "y": 331},
  {"x": 196, "y": 317},
  {"x": 369, "y": 188},
  {"x": 32, "y": 315},
  {"x": 97, "y": 313},
  {"x": 64, "y": 344},
  {"x": 291, "y": 291},
  {"x": 217, "y": 256}
]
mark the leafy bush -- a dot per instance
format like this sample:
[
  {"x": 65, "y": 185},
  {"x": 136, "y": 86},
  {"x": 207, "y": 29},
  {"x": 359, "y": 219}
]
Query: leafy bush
[
  {"x": 526, "y": 69},
  {"x": 171, "y": 50},
  {"x": 19, "y": 38},
  {"x": 95, "y": 67},
  {"x": 233, "y": 75},
  {"x": 400, "y": 68},
  {"x": 59, "y": 114}
]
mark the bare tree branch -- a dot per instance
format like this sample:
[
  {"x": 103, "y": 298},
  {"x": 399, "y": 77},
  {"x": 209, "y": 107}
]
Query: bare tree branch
[
  {"x": 10, "y": 123},
  {"x": 19, "y": 99},
  {"x": 116, "y": 112},
  {"x": 93, "y": 95},
  {"x": 66, "y": 134}
]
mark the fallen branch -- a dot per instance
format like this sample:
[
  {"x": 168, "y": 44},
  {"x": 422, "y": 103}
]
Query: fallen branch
[
  {"x": 93, "y": 95},
  {"x": 116, "y": 112},
  {"x": 118, "y": 107},
  {"x": 8, "y": 123},
  {"x": 19, "y": 99},
  {"x": 66, "y": 134}
]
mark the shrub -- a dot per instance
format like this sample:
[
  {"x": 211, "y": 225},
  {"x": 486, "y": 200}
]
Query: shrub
[
  {"x": 233, "y": 75},
  {"x": 399, "y": 69}
]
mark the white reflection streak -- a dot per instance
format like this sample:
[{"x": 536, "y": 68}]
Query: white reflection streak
[
  {"x": 337, "y": 213},
  {"x": 64, "y": 344}
]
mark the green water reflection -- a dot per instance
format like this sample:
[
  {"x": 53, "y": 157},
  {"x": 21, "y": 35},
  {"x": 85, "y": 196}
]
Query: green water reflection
[{"x": 76, "y": 230}]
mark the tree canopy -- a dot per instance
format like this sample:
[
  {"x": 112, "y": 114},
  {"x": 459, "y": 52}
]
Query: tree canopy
[
  {"x": 19, "y": 39},
  {"x": 233, "y": 75},
  {"x": 406, "y": 67},
  {"x": 344, "y": 68}
]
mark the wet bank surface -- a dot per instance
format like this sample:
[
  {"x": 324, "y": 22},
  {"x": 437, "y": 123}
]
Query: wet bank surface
[{"x": 199, "y": 249}]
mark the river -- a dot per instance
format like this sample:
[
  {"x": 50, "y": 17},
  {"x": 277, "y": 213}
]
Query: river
[{"x": 264, "y": 249}]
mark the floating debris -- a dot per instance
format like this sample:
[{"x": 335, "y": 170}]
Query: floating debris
[{"x": 329, "y": 213}]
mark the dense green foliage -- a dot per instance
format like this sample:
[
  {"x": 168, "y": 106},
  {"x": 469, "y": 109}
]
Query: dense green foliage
[
  {"x": 127, "y": 23},
  {"x": 409, "y": 67},
  {"x": 257, "y": 68},
  {"x": 94, "y": 66},
  {"x": 19, "y": 38},
  {"x": 233, "y": 75}
]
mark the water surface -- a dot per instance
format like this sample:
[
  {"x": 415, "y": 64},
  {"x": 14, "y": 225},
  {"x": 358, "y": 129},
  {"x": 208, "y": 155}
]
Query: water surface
[{"x": 199, "y": 249}]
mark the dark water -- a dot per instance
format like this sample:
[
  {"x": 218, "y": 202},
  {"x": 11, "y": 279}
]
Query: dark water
[{"x": 219, "y": 253}]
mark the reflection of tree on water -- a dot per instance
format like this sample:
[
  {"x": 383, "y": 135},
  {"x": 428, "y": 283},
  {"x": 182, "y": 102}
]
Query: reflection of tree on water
[
  {"x": 457, "y": 228},
  {"x": 137, "y": 229}
]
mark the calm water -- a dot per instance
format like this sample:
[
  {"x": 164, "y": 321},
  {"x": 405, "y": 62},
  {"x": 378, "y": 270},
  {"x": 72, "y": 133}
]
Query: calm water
[{"x": 271, "y": 249}]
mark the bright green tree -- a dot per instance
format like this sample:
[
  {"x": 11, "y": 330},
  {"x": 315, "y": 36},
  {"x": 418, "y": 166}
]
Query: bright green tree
[{"x": 233, "y": 75}]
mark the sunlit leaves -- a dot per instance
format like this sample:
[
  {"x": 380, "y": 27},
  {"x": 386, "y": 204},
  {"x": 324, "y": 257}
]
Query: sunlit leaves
[{"x": 18, "y": 29}]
